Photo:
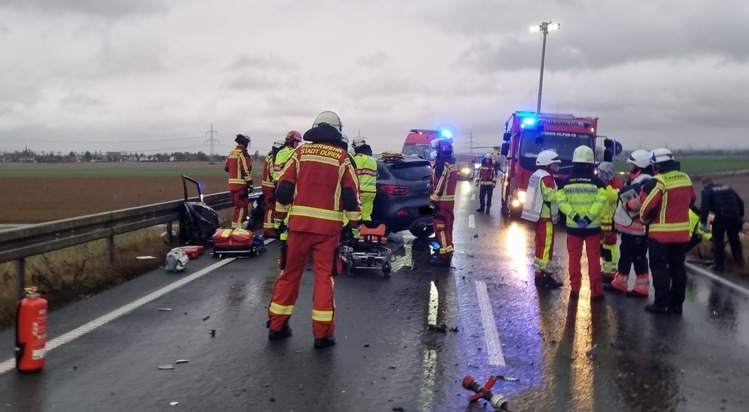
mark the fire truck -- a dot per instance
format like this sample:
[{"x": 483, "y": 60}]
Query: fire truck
[
  {"x": 418, "y": 142},
  {"x": 526, "y": 135}
]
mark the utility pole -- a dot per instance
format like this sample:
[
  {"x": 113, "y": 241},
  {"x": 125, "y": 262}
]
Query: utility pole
[
  {"x": 470, "y": 142},
  {"x": 211, "y": 141}
]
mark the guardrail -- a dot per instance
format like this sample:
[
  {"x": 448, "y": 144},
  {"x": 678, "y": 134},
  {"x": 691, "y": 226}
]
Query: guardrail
[{"x": 19, "y": 243}]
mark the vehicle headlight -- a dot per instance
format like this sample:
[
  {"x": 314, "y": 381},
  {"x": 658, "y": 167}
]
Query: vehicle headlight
[
  {"x": 465, "y": 170},
  {"x": 521, "y": 196}
]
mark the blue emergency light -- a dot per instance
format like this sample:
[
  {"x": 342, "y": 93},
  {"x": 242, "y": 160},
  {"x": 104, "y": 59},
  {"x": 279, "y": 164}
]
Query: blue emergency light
[
  {"x": 529, "y": 121},
  {"x": 446, "y": 133}
]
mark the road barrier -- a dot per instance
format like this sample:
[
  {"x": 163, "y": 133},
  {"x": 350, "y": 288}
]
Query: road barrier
[{"x": 19, "y": 243}]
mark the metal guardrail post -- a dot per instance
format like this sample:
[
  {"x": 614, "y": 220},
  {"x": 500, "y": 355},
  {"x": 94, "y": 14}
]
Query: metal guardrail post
[{"x": 20, "y": 276}]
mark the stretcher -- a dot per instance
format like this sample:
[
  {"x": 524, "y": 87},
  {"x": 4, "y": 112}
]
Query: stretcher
[{"x": 367, "y": 251}]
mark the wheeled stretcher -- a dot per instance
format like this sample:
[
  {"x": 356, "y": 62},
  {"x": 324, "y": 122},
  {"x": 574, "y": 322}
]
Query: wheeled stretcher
[{"x": 368, "y": 251}]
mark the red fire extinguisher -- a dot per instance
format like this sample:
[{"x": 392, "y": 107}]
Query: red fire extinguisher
[{"x": 31, "y": 331}]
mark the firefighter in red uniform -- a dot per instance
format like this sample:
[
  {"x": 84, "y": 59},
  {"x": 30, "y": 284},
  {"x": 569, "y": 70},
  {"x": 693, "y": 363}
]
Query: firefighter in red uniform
[
  {"x": 239, "y": 166},
  {"x": 317, "y": 188},
  {"x": 609, "y": 250},
  {"x": 442, "y": 200},
  {"x": 269, "y": 189},
  {"x": 486, "y": 182},
  {"x": 665, "y": 209}
]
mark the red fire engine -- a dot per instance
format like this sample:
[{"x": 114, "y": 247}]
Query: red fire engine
[
  {"x": 526, "y": 135},
  {"x": 418, "y": 142}
]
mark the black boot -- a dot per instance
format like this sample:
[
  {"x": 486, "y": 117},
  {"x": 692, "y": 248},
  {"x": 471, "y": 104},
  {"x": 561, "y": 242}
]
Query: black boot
[
  {"x": 285, "y": 332},
  {"x": 480, "y": 210}
]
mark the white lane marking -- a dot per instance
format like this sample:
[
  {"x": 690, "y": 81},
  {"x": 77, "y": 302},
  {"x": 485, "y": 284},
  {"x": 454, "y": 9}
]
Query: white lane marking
[
  {"x": 717, "y": 278},
  {"x": 471, "y": 221},
  {"x": 493, "y": 345},
  {"x": 434, "y": 302},
  {"x": 103, "y": 320}
]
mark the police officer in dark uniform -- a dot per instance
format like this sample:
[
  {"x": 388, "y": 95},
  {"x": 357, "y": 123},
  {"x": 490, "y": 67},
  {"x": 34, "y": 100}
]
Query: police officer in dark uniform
[{"x": 728, "y": 218}]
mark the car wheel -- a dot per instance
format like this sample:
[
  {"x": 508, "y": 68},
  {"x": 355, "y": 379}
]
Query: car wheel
[{"x": 422, "y": 232}]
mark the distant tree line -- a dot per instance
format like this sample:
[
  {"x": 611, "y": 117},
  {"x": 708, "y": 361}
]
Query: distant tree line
[{"x": 29, "y": 156}]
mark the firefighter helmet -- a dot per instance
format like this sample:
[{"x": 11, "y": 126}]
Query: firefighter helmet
[
  {"x": 639, "y": 158},
  {"x": 606, "y": 170},
  {"x": 176, "y": 260},
  {"x": 344, "y": 137},
  {"x": 243, "y": 140},
  {"x": 293, "y": 136},
  {"x": 488, "y": 156},
  {"x": 442, "y": 145},
  {"x": 358, "y": 142},
  {"x": 329, "y": 118},
  {"x": 547, "y": 157},
  {"x": 279, "y": 144},
  {"x": 583, "y": 154},
  {"x": 661, "y": 155}
]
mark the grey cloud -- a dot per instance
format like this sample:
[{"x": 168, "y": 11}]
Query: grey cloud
[
  {"x": 248, "y": 62},
  {"x": 375, "y": 60},
  {"x": 96, "y": 8},
  {"x": 79, "y": 102}
]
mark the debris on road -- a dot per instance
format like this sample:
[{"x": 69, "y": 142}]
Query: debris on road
[
  {"x": 213, "y": 333},
  {"x": 507, "y": 378},
  {"x": 476, "y": 235},
  {"x": 441, "y": 328},
  {"x": 165, "y": 309},
  {"x": 181, "y": 361},
  {"x": 173, "y": 403},
  {"x": 592, "y": 351},
  {"x": 497, "y": 401},
  {"x": 206, "y": 318},
  {"x": 166, "y": 367}
]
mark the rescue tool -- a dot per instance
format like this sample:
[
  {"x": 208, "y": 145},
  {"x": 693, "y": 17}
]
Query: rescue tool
[{"x": 497, "y": 401}]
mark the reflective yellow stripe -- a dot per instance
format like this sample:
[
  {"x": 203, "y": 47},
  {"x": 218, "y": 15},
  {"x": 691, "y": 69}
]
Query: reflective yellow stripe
[
  {"x": 316, "y": 213},
  {"x": 322, "y": 315},
  {"x": 278, "y": 309},
  {"x": 238, "y": 181},
  {"x": 445, "y": 198}
]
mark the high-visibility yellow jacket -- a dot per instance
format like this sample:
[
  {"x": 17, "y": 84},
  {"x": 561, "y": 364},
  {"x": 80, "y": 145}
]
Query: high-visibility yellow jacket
[
  {"x": 582, "y": 195},
  {"x": 283, "y": 156},
  {"x": 366, "y": 169}
]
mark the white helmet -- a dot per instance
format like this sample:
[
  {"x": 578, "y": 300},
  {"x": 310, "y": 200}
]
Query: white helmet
[
  {"x": 329, "y": 118},
  {"x": 661, "y": 155},
  {"x": 176, "y": 260},
  {"x": 488, "y": 156},
  {"x": 358, "y": 142},
  {"x": 639, "y": 158},
  {"x": 279, "y": 144},
  {"x": 344, "y": 137},
  {"x": 546, "y": 158},
  {"x": 606, "y": 168},
  {"x": 583, "y": 154}
]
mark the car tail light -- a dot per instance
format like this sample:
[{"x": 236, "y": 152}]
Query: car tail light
[
  {"x": 395, "y": 190},
  {"x": 402, "y": 212}
]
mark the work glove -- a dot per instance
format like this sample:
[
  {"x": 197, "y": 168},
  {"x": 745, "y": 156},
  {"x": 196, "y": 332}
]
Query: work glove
[
  {"x": 704, "y": 227},
  {"x": 279, "y": 225},
  {"x": 583, "y": 222}
]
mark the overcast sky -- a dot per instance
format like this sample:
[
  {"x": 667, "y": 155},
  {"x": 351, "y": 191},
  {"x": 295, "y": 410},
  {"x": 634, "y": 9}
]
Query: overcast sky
[{"x": 153, "y": 75}]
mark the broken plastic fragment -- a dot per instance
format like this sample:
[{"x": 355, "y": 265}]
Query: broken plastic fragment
[
  {"x": 165, "y": 367},
  {"x": 179, "y": 361},
  {"x": 165, "y": 309},
  {"x": 173, "y": 403},
  {"x": 145, "y": 257}
]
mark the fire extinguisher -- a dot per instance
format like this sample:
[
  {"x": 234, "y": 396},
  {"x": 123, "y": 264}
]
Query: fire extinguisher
[{"x": 31, "y": 331}]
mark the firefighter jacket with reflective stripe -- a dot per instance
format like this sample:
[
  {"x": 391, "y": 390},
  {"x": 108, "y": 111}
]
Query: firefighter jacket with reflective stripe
[
  {"x": 269, "y": 186},
  {"x": 541, "y": 197},
  {"x": 722, "y": 201},
  {"x": 582, "y": 194},
  {"x": 320, "y": 173},
  {"x": 627, "y": 215},
  {"x": 444, "y": 180},
  {"x": 239, "y": 166},
  {"x": 665, "y": 208},
  {"x": 283, "y": 156},
  {"x": 487, "y": 174},
  {"x": 366, "y": 170},
  {"x": 613, "y": 187}
]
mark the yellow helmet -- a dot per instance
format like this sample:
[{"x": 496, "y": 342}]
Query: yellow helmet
[{"x": 583, "y": 154}]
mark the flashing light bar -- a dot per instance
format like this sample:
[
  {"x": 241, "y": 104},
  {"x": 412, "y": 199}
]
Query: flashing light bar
[{"x": 446, "y": 133}]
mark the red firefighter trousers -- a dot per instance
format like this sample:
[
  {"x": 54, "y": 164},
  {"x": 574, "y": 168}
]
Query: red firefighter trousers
[
  {"x": 443, "y": 226},
  {"x": 241, "y": 205},
  {"x": 593, "y": 252},
  {"x": 270, "y": 205},
  {"x": 286, "y": 291},
  {"x": 544, "y": 241}
]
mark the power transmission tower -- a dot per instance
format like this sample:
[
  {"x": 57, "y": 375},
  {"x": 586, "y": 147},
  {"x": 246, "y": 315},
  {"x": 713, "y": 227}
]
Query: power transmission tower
[
  {"x": 470, "y": 142},
  {"x": 211, "y": 141}
]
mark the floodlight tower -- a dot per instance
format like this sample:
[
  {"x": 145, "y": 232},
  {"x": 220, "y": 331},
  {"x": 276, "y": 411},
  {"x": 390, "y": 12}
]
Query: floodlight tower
[{"x": 545, "y": 27}]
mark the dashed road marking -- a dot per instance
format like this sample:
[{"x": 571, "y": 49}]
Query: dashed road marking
[
  {"x": 493, "y": 345},
  {"x": 471, "y": 221}
]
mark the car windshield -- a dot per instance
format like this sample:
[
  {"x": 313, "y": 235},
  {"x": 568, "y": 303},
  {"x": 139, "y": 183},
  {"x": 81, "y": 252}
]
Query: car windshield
[
  {"x": 413, "y": 171},
  {"x": 564, "y": 143},
  {"x": 423, "y": 151}
]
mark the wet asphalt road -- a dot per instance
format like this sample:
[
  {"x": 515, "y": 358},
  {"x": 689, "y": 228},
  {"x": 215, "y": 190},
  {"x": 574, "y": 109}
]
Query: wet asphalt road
[{"x": 608, "y": 356}]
